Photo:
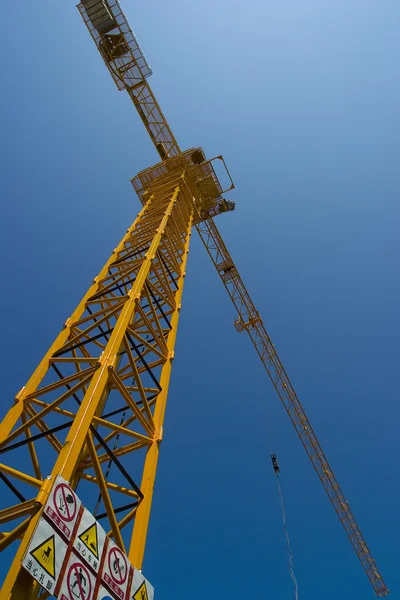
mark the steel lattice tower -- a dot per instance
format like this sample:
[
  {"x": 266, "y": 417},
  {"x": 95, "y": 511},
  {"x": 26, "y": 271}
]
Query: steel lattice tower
[{"x": 93, "y": 409}]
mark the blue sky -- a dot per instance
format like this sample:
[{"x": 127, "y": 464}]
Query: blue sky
[{"x": 302, "y": 100}]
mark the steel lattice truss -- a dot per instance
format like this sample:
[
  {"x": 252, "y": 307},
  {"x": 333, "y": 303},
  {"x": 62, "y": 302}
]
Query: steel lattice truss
[
  {"x": 98, "y": 397},
  {"x": 99, "y": 393}
]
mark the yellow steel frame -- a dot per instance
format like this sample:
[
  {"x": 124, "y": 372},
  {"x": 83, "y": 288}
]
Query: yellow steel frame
[
  {"x": 100, "y": 392},
  {"x": 249, "y": 319},
  {"x": 113, "y": 357}
]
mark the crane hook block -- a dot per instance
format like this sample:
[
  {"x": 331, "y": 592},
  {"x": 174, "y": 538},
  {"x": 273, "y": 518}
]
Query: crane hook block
[{"x": 275, "y": 463}]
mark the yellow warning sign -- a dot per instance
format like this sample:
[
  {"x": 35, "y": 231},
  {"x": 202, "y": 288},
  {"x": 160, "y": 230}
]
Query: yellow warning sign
[
  {"x": 45, "y": 555},
  {"x": 89, "y": 538},
  {"x": 141, "y": 593}
]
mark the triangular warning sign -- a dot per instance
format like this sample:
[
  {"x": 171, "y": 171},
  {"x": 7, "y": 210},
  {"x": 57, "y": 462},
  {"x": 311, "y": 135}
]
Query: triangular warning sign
[
  {"x": 45, "y": 556},
  {"x": 89, "y": 538},
  {"x": 141, "y": 593}
]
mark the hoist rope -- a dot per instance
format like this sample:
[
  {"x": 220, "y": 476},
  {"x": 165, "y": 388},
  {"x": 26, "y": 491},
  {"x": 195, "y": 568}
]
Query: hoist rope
[{"x": 288, "y": 546}]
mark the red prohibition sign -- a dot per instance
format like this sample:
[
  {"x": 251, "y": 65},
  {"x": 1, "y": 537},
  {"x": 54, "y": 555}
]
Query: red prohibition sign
[
  {"x": 117, "y": 565},
  {"x": 78, "y": 582},
  {"x": 65, "y": 502}
]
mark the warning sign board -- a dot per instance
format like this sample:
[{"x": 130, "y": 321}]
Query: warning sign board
[
  {"x": 45, "y": 555},
  {"x": 78, "y": 582},
  {"x": 62, "y": 507},
  {"x": 116, "y": 570},
  {"x": 141, "y": 589},
  {"x": 71, "y": 555},
  {"x": 89, "y": 540}
]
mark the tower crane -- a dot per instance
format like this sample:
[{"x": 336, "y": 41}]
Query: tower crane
[{"x": 99, "y": 394}]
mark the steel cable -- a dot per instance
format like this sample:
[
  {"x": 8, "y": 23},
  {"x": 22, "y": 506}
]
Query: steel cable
[{"x": 288, "y": 546}]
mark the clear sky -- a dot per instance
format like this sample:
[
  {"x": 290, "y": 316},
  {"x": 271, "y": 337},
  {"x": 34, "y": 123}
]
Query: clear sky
[{"x": 302, "y": 99}]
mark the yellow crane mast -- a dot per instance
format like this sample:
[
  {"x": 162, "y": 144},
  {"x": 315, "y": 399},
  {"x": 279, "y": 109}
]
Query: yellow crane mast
[{"x": 99, "y": 394}]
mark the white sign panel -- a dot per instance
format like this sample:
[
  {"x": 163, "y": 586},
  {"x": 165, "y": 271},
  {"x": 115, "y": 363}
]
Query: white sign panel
[
  {"x": 89, "y": 540},
  {"x": 141, "y": 589},
  {"x": 79, "y": 583},
  {"x": 62, "y": 507},
  {"x": 45, "y": 555},
  {"x": 70, "y": 554},
  {"x": 116, "y": 570}
]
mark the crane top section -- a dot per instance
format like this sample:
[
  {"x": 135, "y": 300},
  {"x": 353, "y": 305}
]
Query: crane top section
[
  {"x": 128, "y": 67},
  {"x": 200, "y": 178},
  {"x": 116, "y": 42}
]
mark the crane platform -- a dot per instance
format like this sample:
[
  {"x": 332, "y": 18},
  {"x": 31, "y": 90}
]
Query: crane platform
[{"x": 200, "y": 181}]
